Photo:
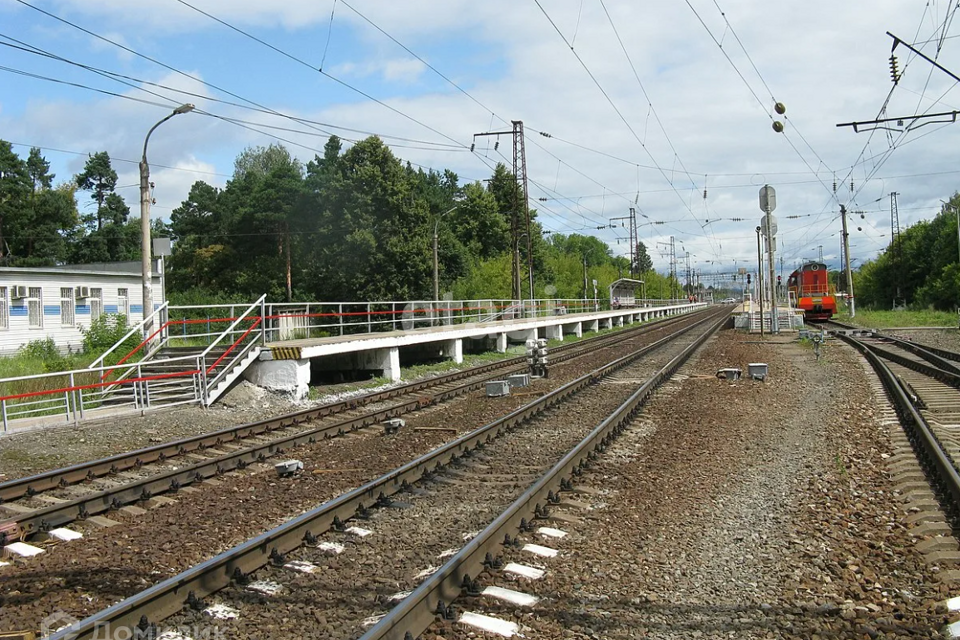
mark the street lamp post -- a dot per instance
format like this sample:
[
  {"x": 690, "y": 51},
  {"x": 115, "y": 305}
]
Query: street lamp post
[
  {"x": 436, "y": 262},
  {"x": 145, "y": 249}
]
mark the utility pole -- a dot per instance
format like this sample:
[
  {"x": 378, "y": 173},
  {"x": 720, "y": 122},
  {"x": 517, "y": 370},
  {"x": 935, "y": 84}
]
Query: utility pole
[
  {"x": 521, "y": 198},
  {"x": 846, "y": 255},
  {"x": 632, "y": 221},
  {"x": 895, "y": 243},
  {"x": 584, "y": 277},
  {"x": 673, "y": 267}
]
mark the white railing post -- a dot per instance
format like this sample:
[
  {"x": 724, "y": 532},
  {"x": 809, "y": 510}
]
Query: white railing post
[
  {"x": 263, "y": 321},
  {"x": 72, "y": 396},
  {"x": 3, "y": 410}
]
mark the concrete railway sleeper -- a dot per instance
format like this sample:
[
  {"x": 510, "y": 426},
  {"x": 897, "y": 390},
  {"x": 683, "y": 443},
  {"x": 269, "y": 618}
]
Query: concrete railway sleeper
[
  {"x": 436, "y": 595},
  {"x": 61, "y": 513},
  {"x": 134, "y": 460},
  {"x": 547, "y": 437}
]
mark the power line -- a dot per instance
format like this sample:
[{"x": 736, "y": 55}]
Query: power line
[
  {"x": 615, "y": 108},
  {"x": 318, "y": 70}
]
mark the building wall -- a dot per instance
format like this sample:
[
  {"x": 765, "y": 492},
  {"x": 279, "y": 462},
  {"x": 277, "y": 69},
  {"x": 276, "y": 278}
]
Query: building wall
[{"x": 55, "y": 314}]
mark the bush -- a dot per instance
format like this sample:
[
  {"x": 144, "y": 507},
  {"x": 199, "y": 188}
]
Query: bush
[
  {"x": 106, "y": 331},
  {"x": 44, "y": 351}
]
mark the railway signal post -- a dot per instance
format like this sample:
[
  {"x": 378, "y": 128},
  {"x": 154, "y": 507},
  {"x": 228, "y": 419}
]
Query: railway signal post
[{"x": 768, "y": 227}]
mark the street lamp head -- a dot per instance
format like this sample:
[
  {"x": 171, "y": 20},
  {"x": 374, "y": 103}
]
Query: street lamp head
[{"x": 184, "y": 108}]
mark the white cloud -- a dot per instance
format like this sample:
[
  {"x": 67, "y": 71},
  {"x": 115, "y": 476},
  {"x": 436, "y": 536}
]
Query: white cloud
[
  {"x": 826, "y": 61},
  {"x": 406, "y": 70}
]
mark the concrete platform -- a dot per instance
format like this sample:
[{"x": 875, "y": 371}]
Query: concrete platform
[{"x": 287, "y": 365}]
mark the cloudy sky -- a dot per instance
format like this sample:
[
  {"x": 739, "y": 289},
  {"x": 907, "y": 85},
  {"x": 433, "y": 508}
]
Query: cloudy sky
[{"x": 663, "y": 106}]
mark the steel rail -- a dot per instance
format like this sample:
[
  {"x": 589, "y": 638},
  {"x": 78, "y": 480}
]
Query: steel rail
[
  {"x": 418, "y": 611},
  {"x": 74, "y": 474},
  {"x": 143, "y": 610},
  {"x": 950, "y": 377},
  {"x": 940, "y": 358},
  {"x": 940, "y": 468},
  {"x": 62, "y": 513}
]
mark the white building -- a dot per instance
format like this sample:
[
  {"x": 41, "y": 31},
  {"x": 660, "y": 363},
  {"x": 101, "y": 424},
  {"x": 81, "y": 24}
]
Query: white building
[{"x": 41, "y": 302}]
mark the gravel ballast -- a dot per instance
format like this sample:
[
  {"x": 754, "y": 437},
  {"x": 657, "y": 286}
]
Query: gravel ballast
[{"x": 737, "y": 510}]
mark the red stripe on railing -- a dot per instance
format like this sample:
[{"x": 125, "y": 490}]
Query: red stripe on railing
[
  {"x": 234, "y": 345},
  {"x": 96, "y": 385}
]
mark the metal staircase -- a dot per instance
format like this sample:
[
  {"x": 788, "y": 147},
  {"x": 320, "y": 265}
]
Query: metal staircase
[{"x": 168, "y": 375}]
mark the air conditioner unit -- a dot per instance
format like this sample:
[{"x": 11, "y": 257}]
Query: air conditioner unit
[
  {"x": 82, "y": 292},
  {"x": 18, "y": 291}
]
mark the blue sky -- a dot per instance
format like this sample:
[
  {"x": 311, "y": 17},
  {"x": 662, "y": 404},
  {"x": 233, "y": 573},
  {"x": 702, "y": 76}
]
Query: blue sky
[{"x": 687, "y": 107}]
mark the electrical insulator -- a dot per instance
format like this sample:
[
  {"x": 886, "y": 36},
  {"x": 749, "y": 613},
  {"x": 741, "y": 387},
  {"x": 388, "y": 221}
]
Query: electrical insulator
[
  {"x": 859, "y": 228},
  {"x": 851, "y": 184},
  {"x": 894, "y": 74},
  {"x": 545, "y": 134},
  {"x": 834, "y": 184},
  {"x": 496, "y": 145},
  {"x": 472, "y": 146},
  {"x": 704, "y": 193}
]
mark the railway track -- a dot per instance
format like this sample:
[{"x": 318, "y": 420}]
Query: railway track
[
  {"x": 343, "y": 566},
  {"x": 924, "y": 387},
  {"x": 53, "y": 499}
]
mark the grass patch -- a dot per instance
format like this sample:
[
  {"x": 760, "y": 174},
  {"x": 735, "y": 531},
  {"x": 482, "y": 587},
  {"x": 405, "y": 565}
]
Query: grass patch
[{"x": 885, "y": 319}]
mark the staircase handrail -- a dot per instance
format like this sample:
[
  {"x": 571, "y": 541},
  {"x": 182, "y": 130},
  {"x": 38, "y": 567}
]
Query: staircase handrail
[
  {"x": 202, "y": 357},
  {"x": 240, "y": 353},
  {"x": 136, "y": 329},
  {"x": 229, "y": 330}
]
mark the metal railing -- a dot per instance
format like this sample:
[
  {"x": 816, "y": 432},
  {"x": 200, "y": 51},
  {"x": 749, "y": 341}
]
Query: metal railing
[
  {"x": 70, "y": 395},
  {"x": 137, "y": 329},
  {"x": 131, "y": 386},
  {"x": 248, "y": 339}
]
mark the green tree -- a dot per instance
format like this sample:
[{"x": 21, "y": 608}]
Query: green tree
[
  {"x": 39, "y": 170},
  {"x": 643, "y": 262},
  {"x": 14, "y": 192},
  {"x": 100, "y": 179},
  {"x": 51, "y": 221},
  {"x": 261, "y": 161}
]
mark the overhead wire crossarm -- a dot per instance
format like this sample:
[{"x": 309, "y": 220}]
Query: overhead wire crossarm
[
  {"x": 858, "y": 126},
  {"x": 952, "y": 115}
]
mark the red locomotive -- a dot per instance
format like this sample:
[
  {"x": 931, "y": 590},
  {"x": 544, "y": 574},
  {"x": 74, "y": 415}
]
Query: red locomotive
[{"x": 810, "y": 288}]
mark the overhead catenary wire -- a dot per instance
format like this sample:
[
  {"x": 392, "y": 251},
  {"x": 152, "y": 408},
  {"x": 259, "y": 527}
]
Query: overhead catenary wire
[{"x": 619, "y": 113}]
